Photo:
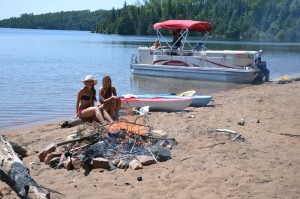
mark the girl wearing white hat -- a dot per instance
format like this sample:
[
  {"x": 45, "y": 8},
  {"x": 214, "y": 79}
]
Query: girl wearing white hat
[{"x": 85, "y": 102}]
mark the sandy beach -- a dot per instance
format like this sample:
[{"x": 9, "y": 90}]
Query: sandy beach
[{"x": 204, "y": 164}]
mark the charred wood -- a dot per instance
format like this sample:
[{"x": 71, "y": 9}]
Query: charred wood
[{"x": 18, "y": 149}]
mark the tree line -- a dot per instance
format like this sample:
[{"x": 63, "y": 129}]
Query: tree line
[{"x": 254, "y": 19}]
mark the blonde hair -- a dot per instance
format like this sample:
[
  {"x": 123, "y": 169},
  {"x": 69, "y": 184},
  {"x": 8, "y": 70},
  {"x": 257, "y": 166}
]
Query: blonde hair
[{"x": 110, "y": 84}]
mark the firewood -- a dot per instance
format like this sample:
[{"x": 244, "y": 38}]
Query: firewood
[{"x": 52, "y": 147}]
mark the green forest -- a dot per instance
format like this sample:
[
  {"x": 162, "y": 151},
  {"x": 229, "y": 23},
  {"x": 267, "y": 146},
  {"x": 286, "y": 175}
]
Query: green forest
[{"x": 253, "y": 19}]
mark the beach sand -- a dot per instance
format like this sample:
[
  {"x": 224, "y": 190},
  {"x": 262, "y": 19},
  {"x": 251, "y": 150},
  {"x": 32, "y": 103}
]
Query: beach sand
[{"x": 205, "y": 163}]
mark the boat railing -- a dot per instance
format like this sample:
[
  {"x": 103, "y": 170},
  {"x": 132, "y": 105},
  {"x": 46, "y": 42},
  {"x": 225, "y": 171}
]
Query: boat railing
[{"x": 178, "y": 52}]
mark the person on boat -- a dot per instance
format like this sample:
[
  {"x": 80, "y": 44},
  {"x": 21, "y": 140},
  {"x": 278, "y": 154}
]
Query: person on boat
[
  {"x": 86, "y": 98},
  {"x": 155, "y": 45},
  {"x": 261, "y": 65},
  {"x": 109, "y": 98},
  {"x": 176, "y": 43}
]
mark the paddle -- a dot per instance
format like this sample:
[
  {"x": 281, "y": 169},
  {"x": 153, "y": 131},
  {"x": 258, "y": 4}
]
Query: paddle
[{"x": 190, "y": 92}]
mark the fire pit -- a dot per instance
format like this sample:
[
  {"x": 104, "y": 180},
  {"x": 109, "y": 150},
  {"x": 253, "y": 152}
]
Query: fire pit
[{"x": 127, "y": 143}]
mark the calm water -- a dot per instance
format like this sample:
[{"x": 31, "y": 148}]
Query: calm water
[{"x": 41, "y": 70}]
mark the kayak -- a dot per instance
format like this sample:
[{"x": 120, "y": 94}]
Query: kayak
[
  {"x": 197, "y": 100},
  {"x": 159, "y": 103}
]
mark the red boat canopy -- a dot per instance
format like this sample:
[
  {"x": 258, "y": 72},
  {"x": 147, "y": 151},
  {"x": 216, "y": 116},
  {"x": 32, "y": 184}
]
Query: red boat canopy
[{"x": 182, "y": 24}]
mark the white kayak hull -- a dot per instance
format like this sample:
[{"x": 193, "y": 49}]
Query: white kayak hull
[{"x": 159, "y": 104}]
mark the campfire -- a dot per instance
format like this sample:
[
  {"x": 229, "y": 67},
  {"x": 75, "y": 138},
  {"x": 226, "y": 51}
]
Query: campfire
[{"x": 127, "y": 143}]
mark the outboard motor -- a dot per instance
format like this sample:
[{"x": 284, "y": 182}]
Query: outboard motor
[{"x": 260, "y": 76}]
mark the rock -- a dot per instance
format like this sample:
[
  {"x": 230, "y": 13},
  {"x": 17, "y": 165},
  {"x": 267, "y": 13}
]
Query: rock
[
  {"x": 162, "y": 154},
  {"x": 145, "y": 160},
  {"x": 100, "y": 163},
  {"x": 122, "y": 164},
  {"x": 163, "y": 144},
  {"x": 191, "y": 116},
  {"x": 241, "y": 122},
  {"x": 68, "y": 164},
  {"x": 158, "y": 133},
  {"x": 52, "y": 155},
  {"x": 87, "y": 165},
  {"x": 115, "y": 162},
  {"x": 32, "y": 151},
  {"x": 76, "y": 163},
  {"x": 49, "y": 149},
  {"x": 54, "y": 162},
  {"x": 135, "y": 165}
]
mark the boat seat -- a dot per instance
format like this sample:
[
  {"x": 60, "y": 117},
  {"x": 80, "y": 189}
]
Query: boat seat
[{"x": 170, "y": 52}]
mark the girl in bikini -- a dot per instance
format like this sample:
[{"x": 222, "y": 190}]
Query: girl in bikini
[
  {"x": 85, "y": 102},
  {"x": 109, "y": 98}
]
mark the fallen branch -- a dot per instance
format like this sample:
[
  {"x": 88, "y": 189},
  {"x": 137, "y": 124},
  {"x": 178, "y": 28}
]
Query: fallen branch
[
  {"x": 290, "y": 135},
  {"x": 77, "y": 139},
  {"x": 80, "y": 147},
  {"x": 226, "y": 130},
  {"x": 185, "y": 158},
  {"x": 236, "y": 135},
  {"x": 285, "y": 134},
  {"x": 15, "y": 174},
  {"x": 211, "y": 145},
  {"x": 53, "y": 191}
]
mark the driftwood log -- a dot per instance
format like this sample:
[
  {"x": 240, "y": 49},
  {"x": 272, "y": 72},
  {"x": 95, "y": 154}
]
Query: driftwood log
[
  {"x": 15, "y": 174},
  {"x": 73, "y": 122}
]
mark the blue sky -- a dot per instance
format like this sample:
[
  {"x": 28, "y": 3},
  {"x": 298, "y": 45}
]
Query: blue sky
[{"x": 14, "y": 8}]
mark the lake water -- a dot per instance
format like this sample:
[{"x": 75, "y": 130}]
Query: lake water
[{"x": 41, "y": 70}]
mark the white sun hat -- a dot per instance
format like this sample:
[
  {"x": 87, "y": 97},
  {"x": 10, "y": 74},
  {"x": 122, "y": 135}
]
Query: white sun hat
[{"x": 89, "y": 78}]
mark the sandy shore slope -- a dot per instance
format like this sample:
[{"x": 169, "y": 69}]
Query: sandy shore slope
[{"x": 205, "y": 164}]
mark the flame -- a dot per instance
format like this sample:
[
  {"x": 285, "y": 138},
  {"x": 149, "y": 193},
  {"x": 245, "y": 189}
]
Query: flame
[
  {"x": 139, "y": 142},
  {"x": 130, "y": 124}
]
